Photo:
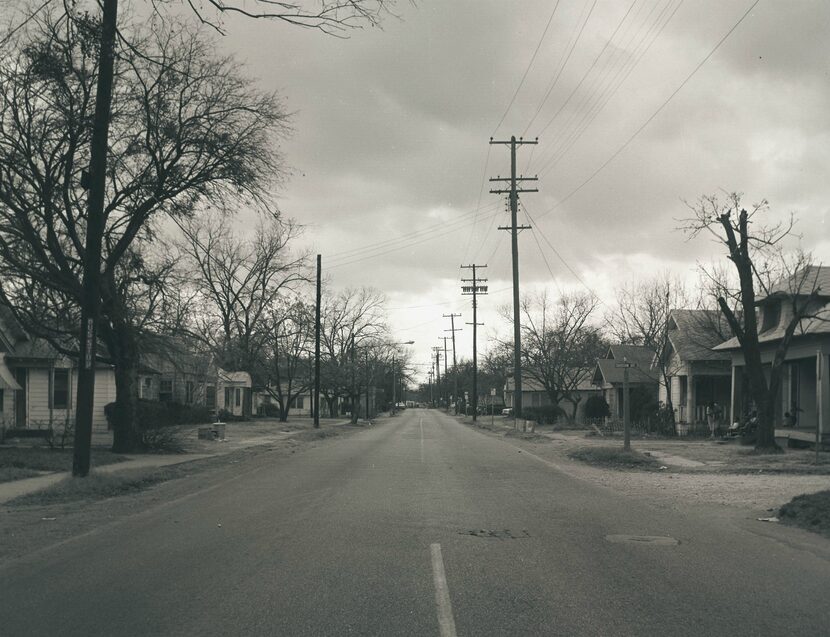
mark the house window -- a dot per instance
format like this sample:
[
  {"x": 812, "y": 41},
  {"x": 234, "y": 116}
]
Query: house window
[
  {"x": 188, "y": 393},
  {"x": 238, "y": 397},
  {"x": 297, "y": 402},
  {"x": 228, "y": 397},
  {"x": 772, "y": 314},
  {"x": 60, "y": 389},
  {"x": 210, "y": 396},
  {"x": 146, "y": 385},
  {"x": 166, "y": 390}
]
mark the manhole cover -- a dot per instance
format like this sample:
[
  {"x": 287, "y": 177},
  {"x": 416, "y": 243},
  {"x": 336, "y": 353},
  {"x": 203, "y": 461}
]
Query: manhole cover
[
  {"x": 660, "y": 540},
  {"x": 501, "y": 534}
]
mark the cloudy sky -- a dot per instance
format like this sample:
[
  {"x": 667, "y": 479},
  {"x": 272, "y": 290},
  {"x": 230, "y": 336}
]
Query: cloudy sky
[{"x": 390, "y": 150}]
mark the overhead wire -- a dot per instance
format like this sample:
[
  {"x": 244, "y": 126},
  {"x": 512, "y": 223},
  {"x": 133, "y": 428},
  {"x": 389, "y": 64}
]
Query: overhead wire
[
  {"x": 603, "y": 98},
  {"x": 659, "y": 109},
  {"x": 527, "y": 70},
  {"x": 606, "y": 76},
  {"x": 561, "y": 68}
]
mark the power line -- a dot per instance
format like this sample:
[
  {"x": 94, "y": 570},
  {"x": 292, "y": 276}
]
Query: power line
[
  {"x": 561, "y": 68},
  {"x": 655, "y": 113},
  {"x": 436, "y": 227},
  {"x": 600, "y": 99},
  {"x": 591, "y": 68},
  {"x": 527, "y": 70}
]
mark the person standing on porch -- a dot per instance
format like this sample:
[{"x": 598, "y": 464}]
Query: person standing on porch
[{"x": 712, "y": 418}]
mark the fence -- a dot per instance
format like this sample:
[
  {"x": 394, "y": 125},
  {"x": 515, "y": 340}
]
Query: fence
[{"x": 611, "y": 426}]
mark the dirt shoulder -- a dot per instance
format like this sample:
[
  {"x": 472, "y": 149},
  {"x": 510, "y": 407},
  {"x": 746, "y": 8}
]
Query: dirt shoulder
[
  {"x": 695, "y": 473},
  {"x": 36, "y": 522}
]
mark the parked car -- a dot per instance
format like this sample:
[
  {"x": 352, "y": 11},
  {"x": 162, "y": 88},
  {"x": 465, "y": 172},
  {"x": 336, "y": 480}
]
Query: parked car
[{"x": 507, "y": 411}]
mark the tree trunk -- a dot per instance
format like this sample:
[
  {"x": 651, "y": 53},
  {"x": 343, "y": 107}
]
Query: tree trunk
[
  {"x": 90, "y": 300},
  {"x": 119, "y": 336},
  {"x": 284, "y": 408},
  {"x": 764, "y": 397},
  {"x": 126, "y": 434}
]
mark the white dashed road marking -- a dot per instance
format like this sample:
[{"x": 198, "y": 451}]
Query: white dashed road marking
[{"x": 446, "y": 623}]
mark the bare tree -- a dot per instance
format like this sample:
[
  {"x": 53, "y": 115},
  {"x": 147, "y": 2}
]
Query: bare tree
[
  {"x": 640, "y": 316},
  {"x": 754, "y": 250},
  {"x": 290, "y": 334},
  {"x": 560, "y": 345},
  {"x": 188, "y": 128},
  {"x": 239, "y": 282},
  {"x": 350, "y": 320}
]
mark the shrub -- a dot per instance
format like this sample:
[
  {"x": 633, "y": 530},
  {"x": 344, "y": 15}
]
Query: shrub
[
  {"x": 596, "y": 407},
  {"x": 546, "y": 415},
  {"x": 152, "y": 414},
  {"x": 269, "y": 410}
]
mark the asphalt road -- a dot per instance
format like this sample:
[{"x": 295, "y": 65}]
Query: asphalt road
[{"x": 419, "y": 526}]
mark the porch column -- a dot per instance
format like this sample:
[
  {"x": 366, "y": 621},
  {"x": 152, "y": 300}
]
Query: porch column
[
  {"x": 691, "y": 398},
  {"x": 822, "y": 394},
  {"x": 733, "y": 396}
]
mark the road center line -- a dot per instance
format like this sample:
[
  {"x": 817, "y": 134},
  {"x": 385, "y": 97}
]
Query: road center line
[
  {"x": 446, "y": 623},
  {"x": 421, "y": 425}
]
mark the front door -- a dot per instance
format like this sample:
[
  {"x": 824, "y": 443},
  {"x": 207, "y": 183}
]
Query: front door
[{"x": 20, "y": 375}]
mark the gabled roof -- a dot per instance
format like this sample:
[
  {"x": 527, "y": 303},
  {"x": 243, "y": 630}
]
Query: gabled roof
[
  {"x": 241, "y": 378},
  {"x": 693, "y": 335},
  {"x": 637, "y": 355},
  {"x": 640, "y": 358},
  {"x": 530, "y": 384}
]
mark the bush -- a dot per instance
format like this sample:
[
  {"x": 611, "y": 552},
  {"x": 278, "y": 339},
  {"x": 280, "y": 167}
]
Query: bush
[
  {"x": 153, "y": 414},
  {"x": 269, "y": 410},
  {"x": 546, "y": 415},
  {"x": 596, "y": 407}
]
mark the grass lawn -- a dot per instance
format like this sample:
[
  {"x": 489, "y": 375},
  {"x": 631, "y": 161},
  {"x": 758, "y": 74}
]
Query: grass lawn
[
  {"x": 97, "y": 486},
  {"x": 614, "y": 458},
  {"x": 24, "y": 462},
  {"x": 810, "y": 511}
]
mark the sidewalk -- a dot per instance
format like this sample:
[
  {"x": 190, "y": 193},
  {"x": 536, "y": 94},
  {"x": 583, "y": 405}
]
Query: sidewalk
[
  {"x": 237, "y": 436},
  {"x": 17, "y": 488}
]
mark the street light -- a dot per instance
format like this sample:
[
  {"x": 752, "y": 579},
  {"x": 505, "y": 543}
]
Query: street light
[{"x": 394, "y": 400}]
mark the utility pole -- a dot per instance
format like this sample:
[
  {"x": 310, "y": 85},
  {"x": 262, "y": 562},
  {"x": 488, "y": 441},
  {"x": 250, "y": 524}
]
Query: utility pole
[
  {"x": 316, "y": 397},
  {"x": 513, "y": 200},
  {"x": 437, "y": 351},
  {"x": 431, "y": 373},
  {"x": 366, "y": 361},
  {"x": 474, "y": 290},
  {"x": 453, "y": 329},
  {"x": 626, "y": 405},
  {"x": 445, "y": 339}
]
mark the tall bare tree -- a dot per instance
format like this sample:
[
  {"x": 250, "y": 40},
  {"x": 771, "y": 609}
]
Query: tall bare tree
[
  {"x": 188, "y": 128},
  {"x": 350, "y": 320},
  {"x": 239, "y": 282},
  {"x": 289, "y": 346},
  {"x": 754, "y": 248}
]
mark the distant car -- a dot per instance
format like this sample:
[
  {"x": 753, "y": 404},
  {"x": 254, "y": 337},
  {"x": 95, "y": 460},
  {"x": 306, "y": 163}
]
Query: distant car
[
  {"x": 400, "y": 406},
  {"x": 508, "y": 411}
]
